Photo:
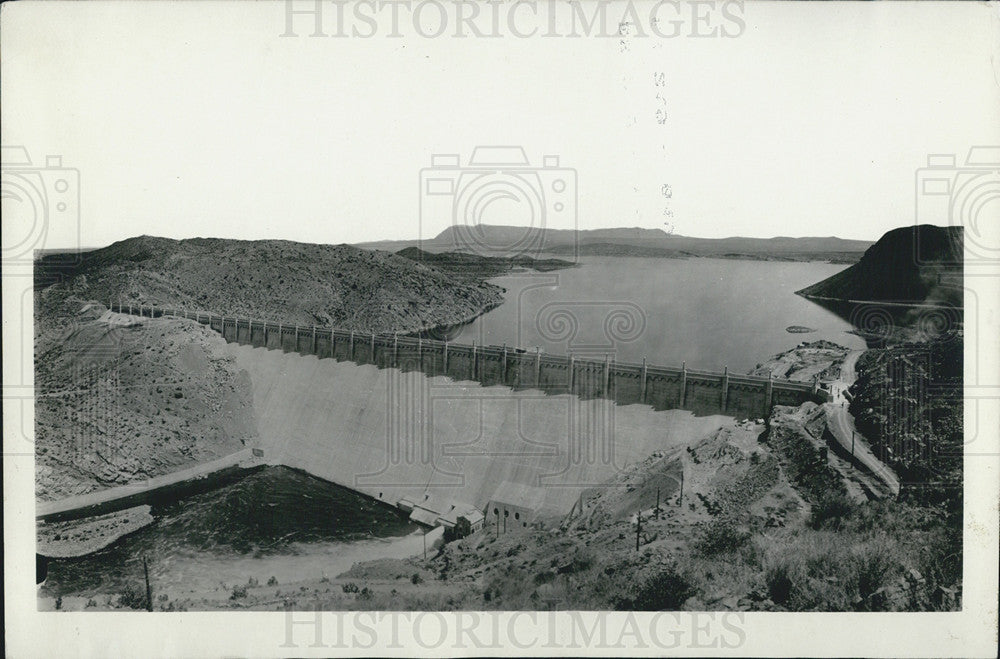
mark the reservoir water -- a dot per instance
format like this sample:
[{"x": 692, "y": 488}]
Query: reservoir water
[
  {"x": 708, "y": 312},
  {"x": 284, "y": 524}
]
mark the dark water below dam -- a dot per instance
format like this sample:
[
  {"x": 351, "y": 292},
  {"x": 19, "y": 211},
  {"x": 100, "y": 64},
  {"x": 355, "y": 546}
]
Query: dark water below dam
[{"x": 273, "y": 522}]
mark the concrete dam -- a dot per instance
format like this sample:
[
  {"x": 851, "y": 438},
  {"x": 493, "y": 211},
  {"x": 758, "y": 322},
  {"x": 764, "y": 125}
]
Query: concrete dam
[{"x": 441, "y": 429}]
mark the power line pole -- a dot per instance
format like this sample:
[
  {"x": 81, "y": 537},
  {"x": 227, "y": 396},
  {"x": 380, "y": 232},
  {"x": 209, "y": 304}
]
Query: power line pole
[
  {"x": 638, "y": 529},
  {"x": 149, "y": 590},
  {"x": 657, "y": 503}
]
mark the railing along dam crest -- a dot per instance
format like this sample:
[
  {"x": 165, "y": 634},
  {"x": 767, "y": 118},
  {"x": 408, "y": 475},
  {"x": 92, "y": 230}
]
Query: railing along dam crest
[{"x": 662, "y": 387}]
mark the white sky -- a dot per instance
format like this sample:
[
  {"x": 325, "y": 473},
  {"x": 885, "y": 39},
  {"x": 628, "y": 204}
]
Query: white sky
[{"x": 197, "y": 119}]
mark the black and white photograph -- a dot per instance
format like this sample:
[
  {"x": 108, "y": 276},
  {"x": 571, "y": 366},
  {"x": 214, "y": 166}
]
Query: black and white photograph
[{"x": 513, "y": 327}]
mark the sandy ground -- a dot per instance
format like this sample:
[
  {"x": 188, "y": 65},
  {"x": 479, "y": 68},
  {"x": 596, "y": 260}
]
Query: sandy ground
[
  {"x": 314, "y": 567},
  {"x": 81, "y": 537}
]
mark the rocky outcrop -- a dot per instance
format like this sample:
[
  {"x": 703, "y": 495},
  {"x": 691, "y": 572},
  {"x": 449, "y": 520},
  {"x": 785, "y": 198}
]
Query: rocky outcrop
[
  {"x": 906, "y": 265},
  {"x": 805, "y": 362}
]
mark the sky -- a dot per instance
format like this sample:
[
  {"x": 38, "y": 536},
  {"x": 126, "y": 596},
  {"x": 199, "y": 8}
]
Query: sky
[{"x": 200, "y": 119}]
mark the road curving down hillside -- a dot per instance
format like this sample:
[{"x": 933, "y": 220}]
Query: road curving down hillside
[{"x": 841, "y": 425}]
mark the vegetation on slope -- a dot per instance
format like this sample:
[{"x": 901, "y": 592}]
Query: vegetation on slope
[
  {"x": 282, "y": 281},
  {"x": 767, "y": 522},
  {"x": 908, "y": 401}
]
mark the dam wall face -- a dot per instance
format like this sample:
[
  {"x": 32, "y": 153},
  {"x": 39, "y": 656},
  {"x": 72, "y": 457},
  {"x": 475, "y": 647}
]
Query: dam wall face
[
  {"x": 436, "y": 441},
  {"x": 437, "y": 428},
  {"x": 662, "y": 388}
]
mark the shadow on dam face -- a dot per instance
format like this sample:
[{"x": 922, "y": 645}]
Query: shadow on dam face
[{"x": 397, "y": 435}]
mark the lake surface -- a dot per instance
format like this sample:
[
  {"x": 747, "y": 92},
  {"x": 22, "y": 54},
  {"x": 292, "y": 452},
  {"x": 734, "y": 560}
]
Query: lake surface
[
  {"x": 709, "y": 313},
  {"x": 273, "y": 522}
]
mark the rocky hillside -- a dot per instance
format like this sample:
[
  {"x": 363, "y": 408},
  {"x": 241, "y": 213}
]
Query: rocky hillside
[
  {"x": 122, "y": 399},
  {"x": 912, "y": 265},
  {"x": 332, "y": 285},
  {"x": 908, "y": 399},
  {"x": 768, "y": 520}
]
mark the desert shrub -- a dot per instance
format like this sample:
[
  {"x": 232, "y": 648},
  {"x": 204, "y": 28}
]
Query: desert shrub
[
  {"x": 416, "y": 579},
  {"x": 779, "y": 580},
  {"x": 238, "y": 592},
  {"x": 132, "y": 597},
  {"x": 831, "y": 509},
  {"x": 544, "y": 577},
  {"x": 273, "y": 581},
  {"x": 365, "y": 594},
  {"x": 252, "y": 582},
  {"x": 58, "y": 602},
  {"x": 721, "y": 536},
  {"x": 350, "y": 587},
  {"x": 869, "y": 566},
  {"x": 664, "y": 591},
  {"x": 582, "y": 560}
]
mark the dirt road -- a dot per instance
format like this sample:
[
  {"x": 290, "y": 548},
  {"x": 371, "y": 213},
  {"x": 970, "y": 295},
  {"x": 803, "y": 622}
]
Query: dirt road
[{"x": 841, "y": 424}]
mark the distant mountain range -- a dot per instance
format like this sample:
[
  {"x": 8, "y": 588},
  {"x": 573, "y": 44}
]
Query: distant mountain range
[
  {"x": 506, "y": 240},
  {"x": 912, "y": 265}
]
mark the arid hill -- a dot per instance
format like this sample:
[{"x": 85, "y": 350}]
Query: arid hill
[
  {"x": 331, "y": 285},
  {"x": 121, "y": 399},
  {"x": 911, "y": 265}
]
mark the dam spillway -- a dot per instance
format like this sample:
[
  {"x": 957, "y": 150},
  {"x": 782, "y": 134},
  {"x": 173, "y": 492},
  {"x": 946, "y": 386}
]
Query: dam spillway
[{"x": 437, "y": 425}]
